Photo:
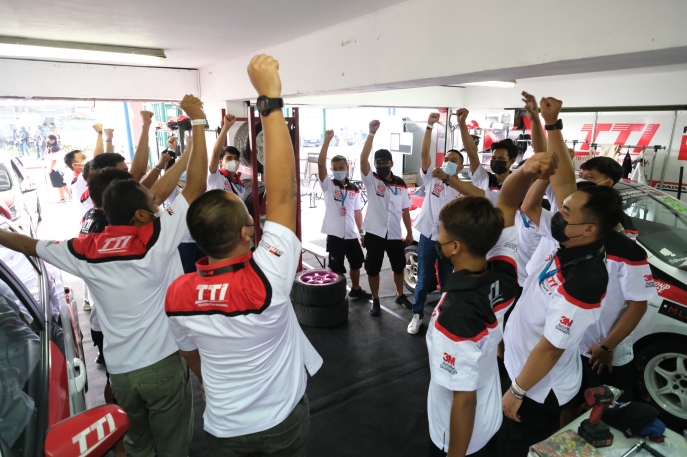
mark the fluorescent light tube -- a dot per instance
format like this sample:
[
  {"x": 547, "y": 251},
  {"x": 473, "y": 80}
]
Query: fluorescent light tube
[{"x": 491, "y": 84}]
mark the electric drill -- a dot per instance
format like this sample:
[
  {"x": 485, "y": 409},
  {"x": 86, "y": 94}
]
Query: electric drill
[{"x": 593, "y": 430}]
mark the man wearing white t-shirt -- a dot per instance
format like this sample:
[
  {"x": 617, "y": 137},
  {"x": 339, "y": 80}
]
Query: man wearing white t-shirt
[
  {"x": 233, "y": 320},
  {"x": 437, "y": 194},
  {"x": 343, "y": 217},
  {"x": 481, "y": 243},
  {"x": 387, "y": 203},
  {"x": 224, "y": 163},
  {"x": 128, "y": 268}
]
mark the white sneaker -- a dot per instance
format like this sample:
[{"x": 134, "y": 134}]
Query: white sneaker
[
  {"x": 415, "y": 324},
  {"x": 86, "y": 305}
]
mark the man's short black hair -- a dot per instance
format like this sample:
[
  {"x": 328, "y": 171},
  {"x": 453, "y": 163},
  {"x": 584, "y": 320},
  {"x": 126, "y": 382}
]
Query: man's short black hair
[
  {"x": 604, "y": 207},
  {"x": 230, "y": 150},
  {"x": 215, "y": 222},
  {"x": 474, "y": 222},
  {"x": 509, "y": 145},
  {"x": 121, "y": 199},
  {"x": 98, "y": 181},
  {"x": 106, "y": 159},
  {"x": 462, "y": 159},
  {"x": 339, "y": 158},
  {"x": 605, "y": 166},
  {"x": 86, "y": 170},
  {"x": 69, "y": 158}
]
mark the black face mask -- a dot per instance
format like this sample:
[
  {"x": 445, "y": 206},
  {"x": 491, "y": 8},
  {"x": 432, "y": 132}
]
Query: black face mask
[
  {"x": 383, "y": 171},
  {"x": 558, "y": 225},
  {"x": 498, "y": 166}
]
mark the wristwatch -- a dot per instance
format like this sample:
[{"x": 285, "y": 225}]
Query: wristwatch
[
  {"x": 605, "y": 348},
  {"x": 557, "y": 126},
  {"x": 267, "y": 105}
]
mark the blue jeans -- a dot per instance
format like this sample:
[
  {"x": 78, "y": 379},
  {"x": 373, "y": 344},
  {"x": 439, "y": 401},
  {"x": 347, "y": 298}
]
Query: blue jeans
[
  {"x": 24, "y": 148},
  {"x": 426, "y": 258}
]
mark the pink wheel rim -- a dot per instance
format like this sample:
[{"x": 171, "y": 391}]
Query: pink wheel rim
[{"x": 318, "y": 277}]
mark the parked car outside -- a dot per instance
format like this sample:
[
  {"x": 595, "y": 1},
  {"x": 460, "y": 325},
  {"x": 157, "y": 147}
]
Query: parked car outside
[{"x": 20, "y": 193}]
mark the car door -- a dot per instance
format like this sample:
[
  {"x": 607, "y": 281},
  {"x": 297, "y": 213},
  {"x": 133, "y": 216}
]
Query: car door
[{"x": 28, "y": 189}]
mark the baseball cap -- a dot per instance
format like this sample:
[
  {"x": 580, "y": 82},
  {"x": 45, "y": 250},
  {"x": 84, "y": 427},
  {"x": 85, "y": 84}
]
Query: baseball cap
[{"x": 383, "y": 154}]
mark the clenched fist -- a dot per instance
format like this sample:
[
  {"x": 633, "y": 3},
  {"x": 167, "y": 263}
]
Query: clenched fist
[
  {"x": 263, "y": 72},
  {"x": 192, "y": 106},
  {"x": 433, "y": 118},
  {"x": 98, "y": 127},
  {"x": 109, "y": 133},
  {"x": 462, "y": 115},
  {"x": 542, "y": 165},
  {"x": 550, "y": 109},
  {"x": 229, "y": 120},
  {"x": 374, "y": 126},
  {"x": 147, "y": 118},
  {"x": 328, "y": 135}
]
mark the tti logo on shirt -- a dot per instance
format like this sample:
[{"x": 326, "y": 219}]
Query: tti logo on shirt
[
  {"x": 564, "y": 325},
  {"x": 649, "y": 282},
  {"x": 117, "y": 244},
  {"x": 210, "y": 291},
  {"x": 448, "y": 363}
]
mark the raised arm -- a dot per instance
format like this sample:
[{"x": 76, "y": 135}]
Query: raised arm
[
  {"x": 322, "y": 159},
  {"x": 197, "y": 174},
  {"x": 466, "y": 188},
  {"x": 154, "y": 174},
  {"x": 367, "y": 148},
  {"x": 531, "y": 206},
  {"x": 109, "y": 134},
  {"x": 140, "y": 160},
  {"x": 229, "y": 120},
  {"x": 280, "y": 167},
  {"x": 515, "y": 187},
  {"x": 163, "y": 187},
  {"x": 468, "y": 142},
  {"x": 539, "y": 143},
  {"x": 563, "y": 182},
  {"x": 18, "y": 242},
  {"x": 427, "y": 142},
  {"x": 99, "y": 146}
]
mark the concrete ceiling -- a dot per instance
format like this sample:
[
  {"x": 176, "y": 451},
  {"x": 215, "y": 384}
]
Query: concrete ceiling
[{"x": 192, "y": 33}]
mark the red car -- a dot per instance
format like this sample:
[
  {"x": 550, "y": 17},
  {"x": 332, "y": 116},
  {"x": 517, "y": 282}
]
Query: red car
[{"x": 42, "y": 371}]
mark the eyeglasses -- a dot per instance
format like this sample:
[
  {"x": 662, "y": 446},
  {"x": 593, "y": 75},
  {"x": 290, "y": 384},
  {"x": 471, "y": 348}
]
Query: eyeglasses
[{"x": 381, "y": 163}]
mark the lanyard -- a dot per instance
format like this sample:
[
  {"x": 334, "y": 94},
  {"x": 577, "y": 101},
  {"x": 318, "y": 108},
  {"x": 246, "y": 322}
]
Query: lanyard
[
  {"x": 545, "y": 273},
  {"x": 395, "y": 192},
  {"x": 233, "y": 183},
  {"x": 344, "y": 195}
]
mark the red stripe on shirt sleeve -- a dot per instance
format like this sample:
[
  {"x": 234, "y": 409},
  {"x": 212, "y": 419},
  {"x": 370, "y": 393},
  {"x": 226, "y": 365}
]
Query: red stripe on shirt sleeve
[
  {"x": 457, "y": 338},
  {"x": 503, "y": 305},
  {"x": 580, "y": 304},
  {"x": 636, "y": 263},
  {"x": 504, "y": 258}
]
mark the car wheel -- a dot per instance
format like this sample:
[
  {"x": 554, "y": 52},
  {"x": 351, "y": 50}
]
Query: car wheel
[
  {"x": 662, "y": 368},
  {"x": 318, "y": 288},
  {"x": 312, "y": 316},
  {"x": 410, "y": 271}
]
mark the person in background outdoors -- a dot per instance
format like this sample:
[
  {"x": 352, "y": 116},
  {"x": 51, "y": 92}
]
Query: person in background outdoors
[
  {"x": 56, "y": 133},
  {"x": 39, "y": 142},
  {"x": 22, "y": 141},
  {"x": 224, "y": 163},
  {"x": 54, "y": 155}
]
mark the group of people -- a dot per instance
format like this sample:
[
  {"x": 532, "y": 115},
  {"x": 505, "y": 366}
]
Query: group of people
[
  {"x": 23, "y": 139},
  {"x": 178, "y": 285}
]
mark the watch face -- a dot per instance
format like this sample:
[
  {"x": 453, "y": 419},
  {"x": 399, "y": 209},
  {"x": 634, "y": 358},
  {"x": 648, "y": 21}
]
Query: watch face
[{"x": 262, "y": 103}]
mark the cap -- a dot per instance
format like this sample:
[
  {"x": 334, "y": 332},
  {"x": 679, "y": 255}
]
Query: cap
[{"x": 383, "y": 154}]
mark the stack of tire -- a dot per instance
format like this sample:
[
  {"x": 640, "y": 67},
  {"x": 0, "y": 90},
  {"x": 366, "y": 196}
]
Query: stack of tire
[{"x": 319, "y": 298}]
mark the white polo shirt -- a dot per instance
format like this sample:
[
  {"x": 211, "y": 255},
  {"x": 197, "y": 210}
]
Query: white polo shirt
[
  {"x": 462, "y": 340},
  {"x": 437, "y": 195},
  {"x": 528, "y": 241},
  {"x": 385, "y": 204},
  {"x": 484, "y": 180},
  {"x": 80, "y": 192},
  {"x": 341, "y": 203},
  {"x": 253, "y": 353},
  {"x": 220, "y": 180},
  {"x": 629, "y": 278},
  {"x": 127, "y": 270},
  {"x": 552, "y": 199},
  {"x": 560, "y": 307}
]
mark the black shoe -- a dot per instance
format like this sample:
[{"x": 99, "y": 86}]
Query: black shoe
[
  {"x": 374, "y": 308},
  {"x": 100, "y": 360},
  {"x": 403, "y": 301},
  {"x": 359, "y": 293}
]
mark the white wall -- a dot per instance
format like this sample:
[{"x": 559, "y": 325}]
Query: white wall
[
  {"x": 651, "y": 87},
  {"x": 421, "y": 97},
  {"x": 435, "y": 42},
  {"x": 26, "y": 78}
]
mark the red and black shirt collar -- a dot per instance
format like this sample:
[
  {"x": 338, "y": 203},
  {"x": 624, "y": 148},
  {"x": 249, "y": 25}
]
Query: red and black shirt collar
[{"x": 205, "y": 269}]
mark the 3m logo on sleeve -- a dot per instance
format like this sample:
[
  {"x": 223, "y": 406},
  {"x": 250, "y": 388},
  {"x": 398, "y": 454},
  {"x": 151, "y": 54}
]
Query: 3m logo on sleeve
[
  {"x": 512, "y": 246},
  {"x": 648, "y": 281},
  {"x": 271, "y": 249},
  {"x": 564, "y": 325},
  {"x": 117, "y": 244},
  {"x": 448, "y": 363}
]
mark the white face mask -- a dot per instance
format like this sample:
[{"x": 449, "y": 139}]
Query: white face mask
[{"x": 231, "y": 166}]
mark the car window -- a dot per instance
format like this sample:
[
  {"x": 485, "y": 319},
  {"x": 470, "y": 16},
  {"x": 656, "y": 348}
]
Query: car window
[
  {"x": 20, "y": 373},
  {"x": 18, "y": 170},
  {"x": 5, "y": 180},
  {"x": 662, "y": 229}
]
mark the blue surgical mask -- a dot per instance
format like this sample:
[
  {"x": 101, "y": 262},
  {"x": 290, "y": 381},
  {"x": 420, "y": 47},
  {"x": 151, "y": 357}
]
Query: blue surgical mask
[
  {"x": 339, "y": 175},
  {"x": 449, "y": 168}
]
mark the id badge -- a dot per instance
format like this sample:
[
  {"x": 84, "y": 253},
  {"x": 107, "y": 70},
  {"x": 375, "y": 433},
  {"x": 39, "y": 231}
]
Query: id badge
[{"x": 343, "y": 211}]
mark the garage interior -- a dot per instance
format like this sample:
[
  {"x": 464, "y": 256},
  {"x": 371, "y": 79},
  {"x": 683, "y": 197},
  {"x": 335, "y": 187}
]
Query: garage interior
[{"x": 621, "y": 83}]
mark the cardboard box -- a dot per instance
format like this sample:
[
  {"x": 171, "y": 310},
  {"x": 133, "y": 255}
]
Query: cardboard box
[{"x": 410, "y": 179}]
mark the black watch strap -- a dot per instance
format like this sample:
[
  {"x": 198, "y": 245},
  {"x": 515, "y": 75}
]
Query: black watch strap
[
  {"x": 557, "y": 126},
  {"x": 267, "y": 105}
]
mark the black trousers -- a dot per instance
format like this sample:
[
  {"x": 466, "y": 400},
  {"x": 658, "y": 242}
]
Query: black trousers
[
  {"x": 489, "y": 450},
  {"x": 538, "y": 421},
  {"x": 621, "y": 378}
]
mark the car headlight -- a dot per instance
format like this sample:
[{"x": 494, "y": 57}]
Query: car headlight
[{"x": 14, "y": 211}]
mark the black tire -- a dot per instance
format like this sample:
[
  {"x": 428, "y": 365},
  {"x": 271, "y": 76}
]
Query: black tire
[
  {"x": 318, "y": 296},
  {"x": 665, "y": 355},
  {"x": 242, "y": 145},
  {"x": 248, "y": 195},
  {"x": 329, "y": 316}
]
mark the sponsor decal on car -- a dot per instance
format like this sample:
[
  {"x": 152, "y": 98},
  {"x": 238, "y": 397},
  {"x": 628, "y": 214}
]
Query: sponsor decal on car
[{"x": 673, "y": 310}]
